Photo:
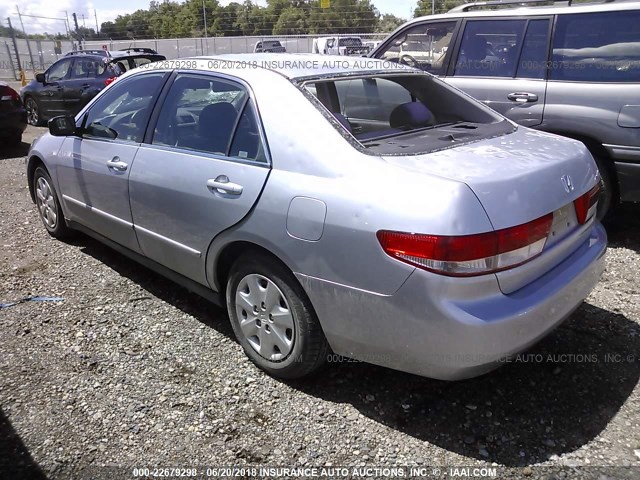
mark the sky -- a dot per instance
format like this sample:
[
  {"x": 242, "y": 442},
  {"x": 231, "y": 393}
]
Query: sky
[{"x": 110, "y": 9}]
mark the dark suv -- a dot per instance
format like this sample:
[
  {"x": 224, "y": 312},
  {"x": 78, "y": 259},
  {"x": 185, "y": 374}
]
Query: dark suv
[
  {"x": 269, "y": 46},
  {"x": 573, "y": 70},
  {"x": 72, "y": 81}
]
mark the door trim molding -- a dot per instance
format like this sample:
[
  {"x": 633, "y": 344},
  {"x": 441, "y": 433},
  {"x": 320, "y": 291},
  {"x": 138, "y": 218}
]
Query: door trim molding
[
  {"x": 98, "y": 211},
  {"x": 170, "y": 241}
]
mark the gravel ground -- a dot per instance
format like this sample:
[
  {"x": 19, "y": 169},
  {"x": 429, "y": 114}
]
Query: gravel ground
[{"x": 132, "y": 370}]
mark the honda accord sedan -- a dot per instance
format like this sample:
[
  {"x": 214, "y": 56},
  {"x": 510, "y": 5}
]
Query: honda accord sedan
[{"x": 334, "y": 207}]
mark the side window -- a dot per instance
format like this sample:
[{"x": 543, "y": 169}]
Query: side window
[
  {"x": 246, "y": 140},
  {"x": 86, "y": 68},
  {"x": 490, "y": 48},
  {"x": 422, "y": 46},
  {"x": 597, "y": 47},
  {"x": 58, "y": 71},
  {"x": 123, "y": 111},
  {"x": 200, "y": 113},
  {"x": 533, "y": 58},
  {"x": 370, "y": 99}
]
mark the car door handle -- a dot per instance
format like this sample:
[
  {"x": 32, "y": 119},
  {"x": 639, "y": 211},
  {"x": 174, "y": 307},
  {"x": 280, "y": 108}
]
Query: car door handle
[
  {"x": 117, "y": 165},
  {"x": 221, "y": 184},
  {"x": 523, "y": 97}
]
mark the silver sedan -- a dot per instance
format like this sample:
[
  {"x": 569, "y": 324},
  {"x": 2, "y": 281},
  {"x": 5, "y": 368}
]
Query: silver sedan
[{"x": 336, "y": 207}]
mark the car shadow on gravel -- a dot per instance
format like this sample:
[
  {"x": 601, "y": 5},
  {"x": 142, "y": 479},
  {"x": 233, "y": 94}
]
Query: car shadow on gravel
[
  {"x": 155, "y": 284},
  {"x": 548, "y": 401},
  {"x": 14, "y": 151},
  {"x": 15, "y": 460},
  {"x": 623, "y": 229}
]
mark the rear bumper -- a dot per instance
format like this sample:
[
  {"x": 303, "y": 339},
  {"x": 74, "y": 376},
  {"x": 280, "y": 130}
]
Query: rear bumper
[
  {"x": 629, "y": 181},
  {"x": 13, "y": 122},
  {"x": 454, "y": 328},
  {"x": 627, "y": 163}
]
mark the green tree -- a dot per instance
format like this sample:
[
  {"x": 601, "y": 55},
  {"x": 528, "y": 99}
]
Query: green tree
[
  {"x": 388, "y": 23},
  {"x": 292, "y": 21}
]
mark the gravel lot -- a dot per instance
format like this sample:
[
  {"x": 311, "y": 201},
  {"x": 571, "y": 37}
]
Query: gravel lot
[{"x": 132, "y": 370}]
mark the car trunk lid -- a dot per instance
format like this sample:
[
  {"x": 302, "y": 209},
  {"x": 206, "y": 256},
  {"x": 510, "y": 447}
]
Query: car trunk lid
[{"x": 518, "y": 178}]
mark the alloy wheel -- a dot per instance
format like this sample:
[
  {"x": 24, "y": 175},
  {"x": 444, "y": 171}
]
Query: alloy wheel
[
  {"x": 33, "y": 114},
  {"x": 46, "y": 203}
]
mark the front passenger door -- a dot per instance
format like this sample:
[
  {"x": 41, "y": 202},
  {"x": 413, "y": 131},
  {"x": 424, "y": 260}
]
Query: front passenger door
[
  {"x": 51, "y": 95},
  {"x": 94, "y": 168}
]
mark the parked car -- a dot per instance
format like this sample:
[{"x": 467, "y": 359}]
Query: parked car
[
  {"x": 340, "y": 46},
  {"x": 269, "y": 46},
  {"x": 13, "y": 116},
  {"x": 76, "y": 78},
  {"x": 571, "y": 70},
  {"x": 419, "y": 230}
]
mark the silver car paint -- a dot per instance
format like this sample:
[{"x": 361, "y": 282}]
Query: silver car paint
[
  {"x": 587, "y": 111},
  {"x": 371, "y": 306}
]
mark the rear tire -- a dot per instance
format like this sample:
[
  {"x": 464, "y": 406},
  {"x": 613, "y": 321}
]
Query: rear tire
[
  {"x": 48, "y": 205},
  {"x": 608, "y": 199},
  {"x": 273, "y": 318}
]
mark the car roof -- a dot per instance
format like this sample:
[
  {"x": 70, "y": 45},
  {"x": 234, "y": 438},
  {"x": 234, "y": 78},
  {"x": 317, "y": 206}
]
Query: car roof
[
  {"x": 556, "y": 9},
  {"x": 110, "y": 54},
  {"x": 296, "y": 66}
]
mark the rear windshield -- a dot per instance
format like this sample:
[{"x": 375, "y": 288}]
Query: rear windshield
[
  {"x": 125, "y": 64},
  {"x": 405, "y": 114}
]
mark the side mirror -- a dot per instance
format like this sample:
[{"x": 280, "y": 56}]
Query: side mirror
[
  {"x": 62, "y": 126},
  {"x": 40, "y": 77}
]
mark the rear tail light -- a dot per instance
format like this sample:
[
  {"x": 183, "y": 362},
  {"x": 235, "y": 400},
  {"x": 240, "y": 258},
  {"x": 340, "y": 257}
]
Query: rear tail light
[
  {"x": 9, "y": 94},
  {"x": 109, "y": 80},
  {"x": 469, "y": 255},
  {"x": 587, "y": 204}
]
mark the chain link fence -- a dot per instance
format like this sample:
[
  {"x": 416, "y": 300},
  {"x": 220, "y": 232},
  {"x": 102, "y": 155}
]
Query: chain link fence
[{"x": 45, "y": 52}]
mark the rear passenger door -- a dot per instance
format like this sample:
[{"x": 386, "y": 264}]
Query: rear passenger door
[
  {"x": 82, "y": 84},
  {"x": 503, "y": 63},
  {"x": 200, "y": 173}
]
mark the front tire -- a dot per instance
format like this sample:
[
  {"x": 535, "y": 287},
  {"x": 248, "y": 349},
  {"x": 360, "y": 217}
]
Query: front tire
[
  {"x": 273, "y": 319},
  {"x": 34, "y": 117},
  {"x": 48, "y": 205}
]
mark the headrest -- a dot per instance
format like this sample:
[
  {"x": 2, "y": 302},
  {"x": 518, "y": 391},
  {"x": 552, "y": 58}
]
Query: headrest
[
  {"x": 412, "y": 114},
  {"x": 221, "y": 114}
]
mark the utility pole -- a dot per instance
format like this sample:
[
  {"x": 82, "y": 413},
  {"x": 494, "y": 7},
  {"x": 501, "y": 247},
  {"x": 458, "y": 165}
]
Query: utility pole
[
  {"x": 95, "y": 14},
  {"x": 75, "y": 22},
  {"x": 27, "y": 39},
  {"x": 84, "y": 25},
  {"x": 66, "y": 14},
  {"x": 204, "y": 16}
]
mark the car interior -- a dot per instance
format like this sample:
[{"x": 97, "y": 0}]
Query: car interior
[
  {"x": 404, "y": 113},
  {"x": 200, "y": 114}
]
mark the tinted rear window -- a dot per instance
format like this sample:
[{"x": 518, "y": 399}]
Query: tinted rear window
[{"x": 597, "y": 47}]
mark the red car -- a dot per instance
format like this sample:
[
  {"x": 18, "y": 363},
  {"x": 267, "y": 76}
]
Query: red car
[{"x": 13, "y": 116}]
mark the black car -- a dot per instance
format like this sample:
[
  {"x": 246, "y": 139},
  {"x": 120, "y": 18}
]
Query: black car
[
  {"x": 13, "y": 116},
  {"x": 72, "y": 81},
  {"x": 269, "y": 46}
]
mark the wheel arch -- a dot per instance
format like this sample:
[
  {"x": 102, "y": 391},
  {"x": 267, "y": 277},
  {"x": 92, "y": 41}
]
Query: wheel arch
[
  {"x": 229, "y": 253},
  {"x": 34, "y": 162},
  {"x": 598, "y": 151}
]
